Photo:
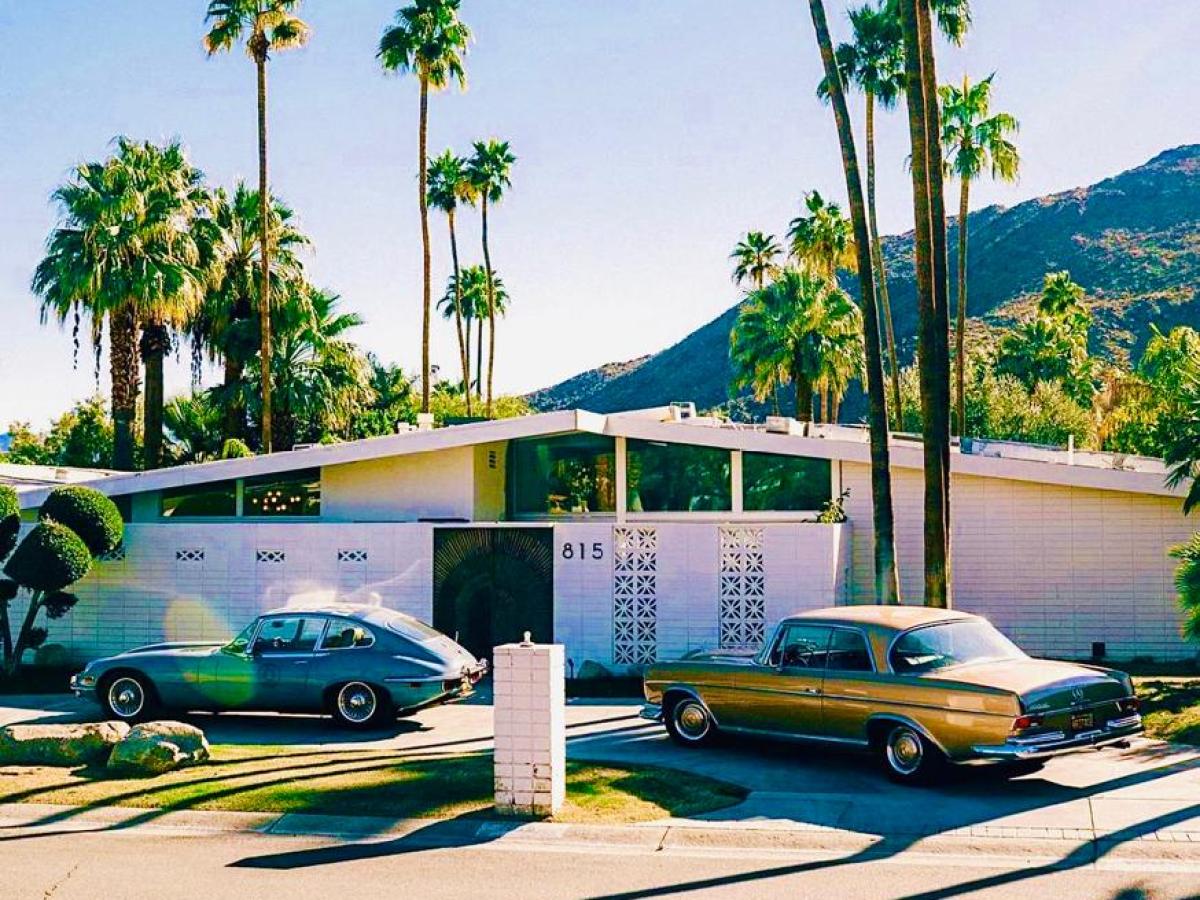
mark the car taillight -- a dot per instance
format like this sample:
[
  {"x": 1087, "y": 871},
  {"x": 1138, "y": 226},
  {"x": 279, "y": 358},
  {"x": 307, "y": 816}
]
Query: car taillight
[{"x": 1021, "y": 723}]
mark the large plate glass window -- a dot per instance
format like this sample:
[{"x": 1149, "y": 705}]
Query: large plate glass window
[
  {"x": 200, "y": 500},
  {"x": 572, "y": 474},
  {"x": 286, "y": 494},
  {"x": 772, "y": 481},
  {"x": 665, "y": 477}
]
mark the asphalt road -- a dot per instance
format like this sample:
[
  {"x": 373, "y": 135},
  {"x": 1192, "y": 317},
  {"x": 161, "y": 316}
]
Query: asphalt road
[{"x": 141, "y": 863}]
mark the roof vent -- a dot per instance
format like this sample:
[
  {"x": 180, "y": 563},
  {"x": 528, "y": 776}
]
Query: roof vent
[
  {"x": 303, "y": 446},
  {"x": 682, "y": 411},
  {"x": 784, "y": 425}
]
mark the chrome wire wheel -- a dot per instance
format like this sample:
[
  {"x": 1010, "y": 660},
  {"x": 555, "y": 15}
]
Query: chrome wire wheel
[
  {"x": 126, "y": 697},
  {"x": 356, "y": 703},
  {"x": 691, "y": 720},
  {"x": 905, "y": 751}
]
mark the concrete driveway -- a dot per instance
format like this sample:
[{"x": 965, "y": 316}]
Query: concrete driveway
[{"x": 1149, "y": 791}]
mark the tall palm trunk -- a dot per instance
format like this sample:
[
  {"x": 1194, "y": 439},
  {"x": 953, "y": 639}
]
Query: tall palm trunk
[
  {"x": 479, "y": 362},
  {"x": 887, "y": 588},
  {"x": 458, "y": 316},
  {"x": 881, "y": 285},
  {"x": 264, "y": 249},
  {"x": 804, "y": 398},
  {"x": 960, "y": 333},
  {"x": 932, "y": 336},
  {"x": 123, "y": 371},
  {"x": 426, "y": 262},
  {"x": 491, "y": 308},
  {"x": 234, "y": 425},
  {"x": 154, "y": 344}
]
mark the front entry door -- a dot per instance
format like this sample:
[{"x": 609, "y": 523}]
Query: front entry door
[{"x": 491, "y": 585}]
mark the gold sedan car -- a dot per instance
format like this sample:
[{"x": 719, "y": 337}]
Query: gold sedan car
[{"x": 920, "y": 687}]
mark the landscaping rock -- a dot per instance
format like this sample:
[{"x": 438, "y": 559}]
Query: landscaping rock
[
  {"x": 156, "y": 747},
  {"x": 60, "y": 745},
  {"x": 591, "y": 669}
]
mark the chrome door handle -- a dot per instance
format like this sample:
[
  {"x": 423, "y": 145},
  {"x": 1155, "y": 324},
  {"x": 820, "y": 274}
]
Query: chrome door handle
[{"x": 811, "y": 690}]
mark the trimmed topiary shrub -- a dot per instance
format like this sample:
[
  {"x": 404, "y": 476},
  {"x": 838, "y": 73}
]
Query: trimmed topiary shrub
[
  {"x": 10, "y": 519},
  {"x": 50, "y": 557},
  {"x": 89, "y": 514}
]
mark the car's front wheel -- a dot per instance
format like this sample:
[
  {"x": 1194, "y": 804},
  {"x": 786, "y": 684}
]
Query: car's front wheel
[
  {"x": 128, "y": 697},
  {"x": 689, "y": 723},
  {"x": 359, "y": 705},
  {"x": 909, "y": 757}
]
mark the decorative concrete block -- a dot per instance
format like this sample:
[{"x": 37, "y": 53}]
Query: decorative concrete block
[{"x": 530, "y": 728}]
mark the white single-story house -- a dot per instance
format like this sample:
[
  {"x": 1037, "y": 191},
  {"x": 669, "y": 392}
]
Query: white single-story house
[{"x": 630, "y": 537}]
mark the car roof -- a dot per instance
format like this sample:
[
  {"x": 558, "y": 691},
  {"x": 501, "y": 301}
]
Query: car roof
[
  {"x": 894, "y": 617},
  {"x": 361, "y": 610}
]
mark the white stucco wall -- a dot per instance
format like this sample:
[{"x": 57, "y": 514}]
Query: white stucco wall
[
  {"x": 436, "y": 485},
  {"x": 199, "y": 582},
  {"x": 1057, "y": 568}
]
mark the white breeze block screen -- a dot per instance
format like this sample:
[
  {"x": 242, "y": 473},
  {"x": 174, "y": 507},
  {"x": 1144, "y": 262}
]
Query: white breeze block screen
[{"x": 529, "y": 711}]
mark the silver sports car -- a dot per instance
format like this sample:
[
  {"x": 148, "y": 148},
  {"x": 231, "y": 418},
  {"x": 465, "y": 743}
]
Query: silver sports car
[{"x": 363, "y": 665}]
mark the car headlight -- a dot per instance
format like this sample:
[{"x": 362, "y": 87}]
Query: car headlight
[{"x": 86, "y": 680}]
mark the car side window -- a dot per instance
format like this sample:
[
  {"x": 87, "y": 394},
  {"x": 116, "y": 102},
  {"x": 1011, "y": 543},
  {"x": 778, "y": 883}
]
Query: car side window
[
  {"x": 848, "y": 652},
  {"x": 288, "y": 634},
  {"x": 345, "y": 635},
  {"x": 801, "y": 647}
]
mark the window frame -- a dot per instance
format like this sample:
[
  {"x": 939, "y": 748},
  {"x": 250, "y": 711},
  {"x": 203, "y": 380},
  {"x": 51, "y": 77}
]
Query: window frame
[
  {"x": 764, "y": 657},
  {"x": 329, "y": 628},
  {"x": 323, "y": 620}
]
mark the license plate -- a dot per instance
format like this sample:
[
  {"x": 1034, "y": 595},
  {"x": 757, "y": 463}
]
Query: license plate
[{"x": 1082, "y": 722}]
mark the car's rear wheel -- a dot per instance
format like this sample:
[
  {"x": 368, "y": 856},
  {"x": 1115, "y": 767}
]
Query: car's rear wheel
[
  {"x": 689, "y": 722},
  {"x": 128, "y": 697},
  {"x": 909, "y": 757},
  {"x": 359, "y": 705}
]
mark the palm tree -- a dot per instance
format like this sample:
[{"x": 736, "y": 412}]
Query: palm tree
[
  {"x": 429, "y": 40},
  {"x": 123, "y": 253},
  {"x": 322, "y": 378},
  {"x": 874, "y": 63},
  {"x": 448, "y": 185},
  {"x": 266, "y": 25},
  {"x": 799, "y": 329},
  {"x": 973, "y": 139},
  {"x": 929, "y": 213},
  {"x": 471, "y": 291},
  {"x": 193, "y": 424},
  {"x": 841, "y": 330},
  {"x": 488, "y": 172},
  {"x": 1062, "y": 298},
  {"x": 887, "y": 588},
  {"x": 226, "y": 327},
  {"x": 823, "y": 240},
  {"x": 756, "y": 258}
]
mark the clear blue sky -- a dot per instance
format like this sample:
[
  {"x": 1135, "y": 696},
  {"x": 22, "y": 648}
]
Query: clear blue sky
[{"x": 650, "y": 133}]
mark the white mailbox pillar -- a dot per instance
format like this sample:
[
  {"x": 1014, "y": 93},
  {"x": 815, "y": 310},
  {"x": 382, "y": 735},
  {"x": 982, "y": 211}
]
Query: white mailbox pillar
[{"x": 529, "y": 707}]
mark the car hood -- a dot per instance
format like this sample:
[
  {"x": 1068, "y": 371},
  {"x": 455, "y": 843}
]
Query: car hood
[{"x": 1042, "y": 684}]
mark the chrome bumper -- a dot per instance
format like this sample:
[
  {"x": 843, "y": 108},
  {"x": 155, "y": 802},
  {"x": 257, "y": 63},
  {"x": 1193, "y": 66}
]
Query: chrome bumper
[
  {"x": 1045, "y": 745},
  {"x": 84, "y": 687},
  {"x": 651, "y": 711}
]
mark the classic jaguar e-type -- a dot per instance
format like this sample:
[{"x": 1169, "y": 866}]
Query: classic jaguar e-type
[
  {"x": 361, "y": 664},
  {"x": 919, "y": 687}
]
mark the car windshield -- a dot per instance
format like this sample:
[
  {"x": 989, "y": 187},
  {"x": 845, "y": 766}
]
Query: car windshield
[
  {"x": 950, "y": 644},
  {"x": 241, "y": 643}
]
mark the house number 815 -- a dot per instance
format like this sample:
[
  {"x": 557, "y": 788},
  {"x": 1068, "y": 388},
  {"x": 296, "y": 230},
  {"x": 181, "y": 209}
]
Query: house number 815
[{"x": 569, "y": 550}]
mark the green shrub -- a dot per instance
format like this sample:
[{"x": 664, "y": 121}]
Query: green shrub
[
  {"x": 10, "y": 519},
  {"x": 1187, "y": 582},
  {"x": 88, "y": 513},
  {"x": 235, "y": 449},
  {"x": 50, "y": 557}
]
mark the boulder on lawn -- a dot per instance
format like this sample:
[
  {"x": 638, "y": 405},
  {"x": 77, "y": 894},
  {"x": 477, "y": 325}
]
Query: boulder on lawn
[
  {"x": 156, "y": 747},
  {"x": 60, "y": 745}
]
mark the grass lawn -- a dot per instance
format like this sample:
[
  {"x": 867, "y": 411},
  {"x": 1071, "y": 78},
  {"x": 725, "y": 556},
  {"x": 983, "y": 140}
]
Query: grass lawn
[
  {"x": 1171, "y": 708},
  {"x": 376, "y": 783}
]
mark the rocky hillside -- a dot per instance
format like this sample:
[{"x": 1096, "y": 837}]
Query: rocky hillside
[{"x": 1133, "y": 241}]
